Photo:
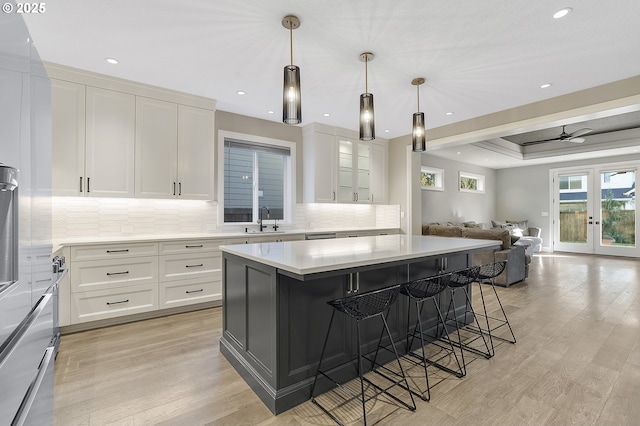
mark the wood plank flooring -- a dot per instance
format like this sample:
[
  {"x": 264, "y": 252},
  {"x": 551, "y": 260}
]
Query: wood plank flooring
[{"x": 577, "y": 361}]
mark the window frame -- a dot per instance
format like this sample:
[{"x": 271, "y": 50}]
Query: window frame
[
  {"x": 477, "y": 177},
  {"x": 289, "y": 175},
  {"x": 439, "y": 184}
]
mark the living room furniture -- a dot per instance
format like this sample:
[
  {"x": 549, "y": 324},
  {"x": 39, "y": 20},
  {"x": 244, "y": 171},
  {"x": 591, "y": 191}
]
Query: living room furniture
[
  {"x": 518, "y": 261},
  {"x": 527, "y": 236}
]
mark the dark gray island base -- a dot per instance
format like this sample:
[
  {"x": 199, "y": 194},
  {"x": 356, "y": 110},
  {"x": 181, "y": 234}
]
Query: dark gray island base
[{"x": 275, "y": 313}]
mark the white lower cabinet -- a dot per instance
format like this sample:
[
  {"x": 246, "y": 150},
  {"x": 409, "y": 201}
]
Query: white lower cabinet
[
  {"x": 107, "y": 281},
  {"x": 187, "y": 292},
  {"x": 114, "y": 302},
  {"x": 190, "y": 272}
]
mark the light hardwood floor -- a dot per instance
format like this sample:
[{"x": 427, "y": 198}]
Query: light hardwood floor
[{"x": 577, "y": 361}]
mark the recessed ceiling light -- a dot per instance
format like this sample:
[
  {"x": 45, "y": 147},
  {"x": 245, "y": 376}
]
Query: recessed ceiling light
[
  {"x": 241, "y": 92},
  {"x": 562, "y": 13},
  {"x": 545, "y": 85},
  {"x": 387, "y": 130},
  {"x": 271, "y": 112},
  {"x": 458, "y": 152},
  {"x": 112, "y": 61},
  {"x": 326, "y": 114},
  {"x": 448, "y": 113}
]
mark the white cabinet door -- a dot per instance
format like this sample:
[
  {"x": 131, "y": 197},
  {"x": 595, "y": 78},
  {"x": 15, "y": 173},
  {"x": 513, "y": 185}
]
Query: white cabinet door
[
  {"x": 68, "y": 138},
  {"x": 195, "y": 153},
  {"x": 156, "y": 148},
  {"x": 379, "y": 173},
  {"x": 110, "y": 132},
  {"x": 354, "y": 158},
  {"x": 320, "y": 170}
]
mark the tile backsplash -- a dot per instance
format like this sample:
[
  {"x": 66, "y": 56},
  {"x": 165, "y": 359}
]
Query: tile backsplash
[{"x": 82, "y": 217}]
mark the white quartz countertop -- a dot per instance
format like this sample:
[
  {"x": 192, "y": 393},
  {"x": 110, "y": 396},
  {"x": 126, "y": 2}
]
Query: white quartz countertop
[{"x": 308, "y": 257}]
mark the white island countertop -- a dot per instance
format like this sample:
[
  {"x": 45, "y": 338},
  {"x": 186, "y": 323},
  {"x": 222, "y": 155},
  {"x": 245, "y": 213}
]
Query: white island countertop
[{"x": 309, "y": 257}]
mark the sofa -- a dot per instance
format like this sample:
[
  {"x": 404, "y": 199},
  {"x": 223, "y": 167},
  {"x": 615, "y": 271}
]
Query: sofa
[{"x": 518, "y": 261}]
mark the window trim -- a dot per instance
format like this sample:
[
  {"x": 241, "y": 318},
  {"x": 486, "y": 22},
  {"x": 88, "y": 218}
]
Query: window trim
[
  {"x": 439, "y": 178},
  {"x": 479, "y": 178},
  {"x": 289, "y": 180}
]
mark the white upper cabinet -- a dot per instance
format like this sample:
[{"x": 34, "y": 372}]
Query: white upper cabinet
[
  {"x": 319, "y": 167},
  {"x": 196, "y": 165},
  {"x": 113, "y": 138},
  {"x": 109, "y": 155},
  {"x": 340, "y": 168},
  {"x": 174, "y": 150},
  {"x": 156, "y": 148},
  {"x": 68, "y": 137},
  {"x": 92, "y": 136}
]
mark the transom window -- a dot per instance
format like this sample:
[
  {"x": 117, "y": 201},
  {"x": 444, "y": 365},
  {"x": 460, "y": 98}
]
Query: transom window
[{"x": 470, "y": 182}]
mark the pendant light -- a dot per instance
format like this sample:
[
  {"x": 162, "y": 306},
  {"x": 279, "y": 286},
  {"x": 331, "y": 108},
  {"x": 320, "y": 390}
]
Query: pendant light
[
  {"x": 418, "y": 133},
  {"x": 367, "y": 123},
  {"x": 291, "y": 102}
]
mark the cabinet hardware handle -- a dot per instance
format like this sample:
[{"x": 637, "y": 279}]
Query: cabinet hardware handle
[
  {"x": 194, "y": 266},
  {"x": 179, "y": 188},
  {"x": 88, "y": 180},
  {"x": 334, "y": 195},
  {"x": 194, "y": 291},
  {"x": 80, "y": 183},
  {"x": 118, "y": 251},
  {"x": 357, "y": 282},
  {"x": 194, "y": 246},
  {"x": 174, "y": 188},
  {"x": 117, "y": 273},
  {"x": 116, "y": 303},
  {"x": 350, "y": 289}
]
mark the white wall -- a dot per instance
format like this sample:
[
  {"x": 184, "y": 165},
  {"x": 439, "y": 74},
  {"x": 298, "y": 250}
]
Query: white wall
[{"x": 451, "y": 205}]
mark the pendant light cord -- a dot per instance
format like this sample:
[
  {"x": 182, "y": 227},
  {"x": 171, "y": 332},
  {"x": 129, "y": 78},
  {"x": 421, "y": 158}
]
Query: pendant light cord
[
  {"x": 291, "y": 43},
  {"x": 366, "y": 75},
  {"x": 418, "y": 89}
]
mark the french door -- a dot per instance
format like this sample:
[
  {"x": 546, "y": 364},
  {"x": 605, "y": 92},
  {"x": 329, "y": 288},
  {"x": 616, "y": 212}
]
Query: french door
[{"x": 595, "y": 211}]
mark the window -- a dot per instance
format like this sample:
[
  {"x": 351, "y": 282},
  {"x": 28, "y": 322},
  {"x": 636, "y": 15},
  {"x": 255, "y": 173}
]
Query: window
[
  {"x": 432, "y": 178},
  {"x": 470, "y": 182},
  {"x": 571, "y": 182},
  {"x": 256, "y": 173}
]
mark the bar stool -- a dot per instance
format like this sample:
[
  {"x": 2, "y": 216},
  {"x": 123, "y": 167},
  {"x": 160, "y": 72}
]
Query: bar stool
[
  {"x": 421, "y": 291},
  {"x": 362, "y": 307},
  {"x": 486, "y": 275},
  {"x": 461, "y": 280}
]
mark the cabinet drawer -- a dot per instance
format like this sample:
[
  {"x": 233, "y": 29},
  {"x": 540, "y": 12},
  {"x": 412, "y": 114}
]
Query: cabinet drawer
[
  {"x": 102, "y": 304},
  {"x": 189, "y": 246},
  {"x": 184, "y": 266},
  {"x": 187, "y": 292},
  {"x": 113, "y": 273},
  {"x": 108, "y": 251}
]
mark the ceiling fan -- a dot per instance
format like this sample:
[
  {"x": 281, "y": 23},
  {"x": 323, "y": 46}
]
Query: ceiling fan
[{"x": 574, "y": 137}]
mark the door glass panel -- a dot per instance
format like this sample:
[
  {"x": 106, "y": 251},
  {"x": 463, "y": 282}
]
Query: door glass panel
[
  {"x": 345, "y": 177},
  {"x": 573, "y": 209},
  {"x": 618, "y": 208}
]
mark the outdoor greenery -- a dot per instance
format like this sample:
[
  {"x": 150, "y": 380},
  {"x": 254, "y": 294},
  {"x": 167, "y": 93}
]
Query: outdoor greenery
[
  {"x": 468, "y": 183},
  {"x": 614, "y": 221}
]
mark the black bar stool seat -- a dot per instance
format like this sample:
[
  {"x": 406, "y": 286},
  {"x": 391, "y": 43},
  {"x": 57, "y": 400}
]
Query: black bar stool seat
[{"x": 362, "y": 307}]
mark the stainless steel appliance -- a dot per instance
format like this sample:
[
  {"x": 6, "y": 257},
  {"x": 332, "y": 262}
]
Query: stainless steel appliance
[{"x": 27, "y": 340}]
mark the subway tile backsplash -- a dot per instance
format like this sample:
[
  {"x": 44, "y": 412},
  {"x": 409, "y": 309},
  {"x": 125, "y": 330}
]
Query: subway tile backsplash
[{"x": 86, "y": 217}]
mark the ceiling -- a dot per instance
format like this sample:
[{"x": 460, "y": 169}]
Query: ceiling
[{"x": 478, "y": 57}]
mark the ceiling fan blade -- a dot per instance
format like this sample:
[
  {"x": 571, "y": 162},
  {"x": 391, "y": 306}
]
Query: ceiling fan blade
[
  {"x": 581, "y": 132},
  {"x": 575, "y": 140}
]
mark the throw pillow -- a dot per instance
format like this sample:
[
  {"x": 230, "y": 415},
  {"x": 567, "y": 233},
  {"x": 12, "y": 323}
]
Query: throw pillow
[
  {"x": 523, "y": 225},
  {"x": 472, "y": 224},
  {"x": 497, "y": 224}
]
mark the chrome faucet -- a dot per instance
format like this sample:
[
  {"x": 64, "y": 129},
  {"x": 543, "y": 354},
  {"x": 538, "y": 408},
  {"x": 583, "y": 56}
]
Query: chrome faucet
[{"x": 260, "y": 217}]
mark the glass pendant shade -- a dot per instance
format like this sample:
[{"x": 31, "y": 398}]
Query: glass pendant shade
[
  {"x": 291, "y": 100},
  {"x": 367, "y": 122},
  {"x": 418, "y": 135}
]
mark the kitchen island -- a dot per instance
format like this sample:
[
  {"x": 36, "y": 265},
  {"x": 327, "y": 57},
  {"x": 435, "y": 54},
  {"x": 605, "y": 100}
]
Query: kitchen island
[{"x": 275, "y": 314}]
